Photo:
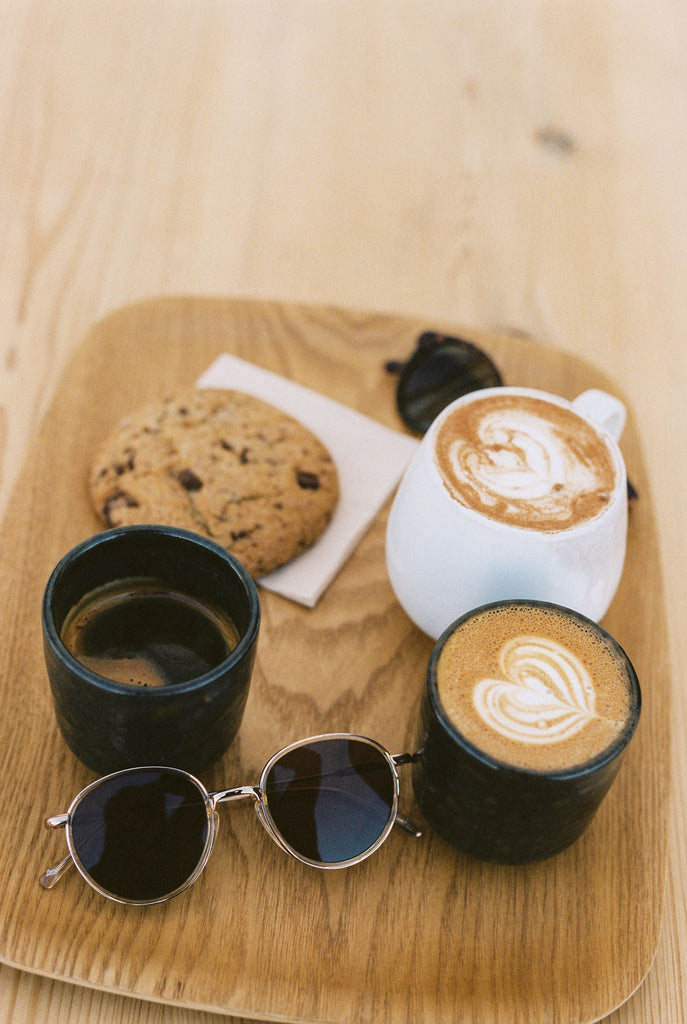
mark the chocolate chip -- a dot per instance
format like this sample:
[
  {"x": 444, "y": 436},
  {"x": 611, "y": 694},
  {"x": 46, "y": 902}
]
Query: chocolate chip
[
  {"x": 308, "y": 481},
  {"x": 188, "y": 479},
  {"x": 120, "y": 499},
  {"x": 123, "y": 467}
]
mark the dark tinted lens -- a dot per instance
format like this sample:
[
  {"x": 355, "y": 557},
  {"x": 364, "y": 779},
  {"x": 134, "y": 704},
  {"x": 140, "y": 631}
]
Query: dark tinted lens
[
  {"x": 441, "y": 370},
  {"x": 140, "y": 835},
  {"x": 331, "y": 799}
]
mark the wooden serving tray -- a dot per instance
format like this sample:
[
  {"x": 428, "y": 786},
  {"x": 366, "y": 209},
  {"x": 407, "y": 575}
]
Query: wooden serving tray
[{"x": 418, "y": 932}]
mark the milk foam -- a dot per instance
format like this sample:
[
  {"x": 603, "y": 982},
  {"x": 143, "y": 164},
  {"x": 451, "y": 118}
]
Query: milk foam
[
  {"x": 533, "y": 686},
  {"x": 525, "y": 461},
  {"x": 543, "y": 695}
]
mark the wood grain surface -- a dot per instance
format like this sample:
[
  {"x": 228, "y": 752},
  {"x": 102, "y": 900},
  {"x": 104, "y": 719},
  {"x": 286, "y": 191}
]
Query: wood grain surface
[
  {"x": 519, "y": 167},
  {"x": 418, "y": 932}
]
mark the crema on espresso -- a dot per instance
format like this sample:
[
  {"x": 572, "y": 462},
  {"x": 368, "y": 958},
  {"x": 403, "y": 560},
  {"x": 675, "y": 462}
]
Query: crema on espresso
[
  {"x": 526, "y": 462},
  {"x": 533, "y": 687}
]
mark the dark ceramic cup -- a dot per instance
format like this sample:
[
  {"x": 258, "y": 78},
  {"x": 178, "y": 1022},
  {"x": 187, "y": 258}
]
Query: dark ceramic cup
[
  {"x": 477, "y": 798},
  {"x": 111, "y": 725}
]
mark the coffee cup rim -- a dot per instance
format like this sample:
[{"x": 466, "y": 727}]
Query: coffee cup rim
[
  {"x": 521, "y": 389},
  {"x": 153, "y": 693},
  {"x": 578, "y": 771}
]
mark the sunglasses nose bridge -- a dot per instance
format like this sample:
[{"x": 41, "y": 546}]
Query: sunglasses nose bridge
[{"x": 222, "y": 796}]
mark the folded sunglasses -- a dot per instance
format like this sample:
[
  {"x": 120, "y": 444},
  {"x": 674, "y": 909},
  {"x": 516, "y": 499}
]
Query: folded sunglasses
[
  {"x": 143, "y": 835},
  {"x": 441, "y": 369}
]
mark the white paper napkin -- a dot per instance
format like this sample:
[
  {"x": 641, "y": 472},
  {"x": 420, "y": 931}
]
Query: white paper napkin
[{"x": 369, "y": 457}]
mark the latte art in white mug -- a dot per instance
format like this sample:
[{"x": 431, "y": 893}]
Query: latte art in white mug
[
  {"x": 525, "y": 461},
  {"x": 533, "y": 687}
]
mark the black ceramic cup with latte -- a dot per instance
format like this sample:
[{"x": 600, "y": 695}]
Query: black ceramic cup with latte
[{"x": 527, "y": 713}]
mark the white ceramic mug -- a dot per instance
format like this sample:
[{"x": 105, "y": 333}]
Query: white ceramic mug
[{"x": 444, "y": 558}]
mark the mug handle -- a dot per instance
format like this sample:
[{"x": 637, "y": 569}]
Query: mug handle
[{"x": 604, "y": 408}]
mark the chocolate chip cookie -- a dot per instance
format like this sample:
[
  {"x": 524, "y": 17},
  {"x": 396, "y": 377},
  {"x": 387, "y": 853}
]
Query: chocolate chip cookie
[{"x": 224, "y": 464}]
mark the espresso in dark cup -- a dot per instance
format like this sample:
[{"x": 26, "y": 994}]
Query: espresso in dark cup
[
  {"x": 142, "y": 632},
  {"x": 150, "y": 635},
  {"x": 527, "y": 713}
]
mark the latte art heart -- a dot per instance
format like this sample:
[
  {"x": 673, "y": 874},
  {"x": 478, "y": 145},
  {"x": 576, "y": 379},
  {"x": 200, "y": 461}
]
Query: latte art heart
[
  {"x": 545, "y": 694},
  {"x": 533, "y": 685}
]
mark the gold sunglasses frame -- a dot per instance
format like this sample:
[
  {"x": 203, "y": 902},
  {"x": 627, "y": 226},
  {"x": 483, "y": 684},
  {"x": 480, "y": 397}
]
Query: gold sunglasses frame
[{"x": 211, "y": 800}]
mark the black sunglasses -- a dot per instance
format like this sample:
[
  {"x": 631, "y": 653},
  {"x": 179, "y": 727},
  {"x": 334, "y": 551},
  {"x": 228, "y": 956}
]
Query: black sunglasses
[
  {"x": 441, "y": 369},
  {"x": 143, "y": 835}
]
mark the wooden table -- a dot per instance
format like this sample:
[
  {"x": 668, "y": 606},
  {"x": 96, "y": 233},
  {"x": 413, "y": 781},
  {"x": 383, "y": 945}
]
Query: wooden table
[{"x": 515, "y": 167}]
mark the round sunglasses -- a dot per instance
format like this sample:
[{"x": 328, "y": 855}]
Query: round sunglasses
[
  {"x": 143, "y": 835},
  {"x": 441, "y": 369}
]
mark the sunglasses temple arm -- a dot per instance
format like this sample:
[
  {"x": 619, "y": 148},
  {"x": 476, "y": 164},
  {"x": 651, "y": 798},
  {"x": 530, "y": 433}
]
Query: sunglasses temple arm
[
  {"x": 405, "y": 758},
  {"x": 408, "y": 825},
  {"x": 52, "y": 876}
]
